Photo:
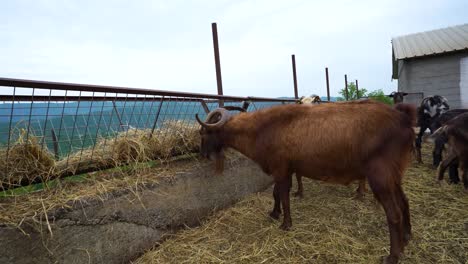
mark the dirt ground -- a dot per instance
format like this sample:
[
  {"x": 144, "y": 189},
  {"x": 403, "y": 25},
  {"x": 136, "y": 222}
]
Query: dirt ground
[{"x": 329, "y": 226}]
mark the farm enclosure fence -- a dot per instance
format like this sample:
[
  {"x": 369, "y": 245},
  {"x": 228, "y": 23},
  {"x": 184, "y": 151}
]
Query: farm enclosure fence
[{"x": 80, "y": 128}]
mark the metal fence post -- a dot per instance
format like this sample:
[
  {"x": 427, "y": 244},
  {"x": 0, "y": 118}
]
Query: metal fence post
[
  {"x": 55, "y": 143},
  {"x": 293, "y": 58},
  {"x": 219, "y": 81},
  {"x": 357, "y": 89},
  {"x": 346, "y": 87},
  {"x": 328, "y": 84}
]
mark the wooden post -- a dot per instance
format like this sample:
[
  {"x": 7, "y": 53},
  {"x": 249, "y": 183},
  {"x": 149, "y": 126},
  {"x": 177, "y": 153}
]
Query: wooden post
[
  {"x": 346, "y": 87},
  {"x": 357, "y": 89},
  {"x": 219, "y": 81},
  {"x": 293, "y": 57},
  {"x": 328, "y": 83}
]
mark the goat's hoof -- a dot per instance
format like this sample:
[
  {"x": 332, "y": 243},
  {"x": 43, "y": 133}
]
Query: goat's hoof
[
  {"x": 390, "y": 260},
  {"x": 275, "y": 215},
  {"x": 285, "y": 226},
  {"x": 298, "y": 194}
]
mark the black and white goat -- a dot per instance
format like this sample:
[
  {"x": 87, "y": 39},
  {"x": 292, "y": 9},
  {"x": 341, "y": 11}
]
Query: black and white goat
[
  {"x": 313, "y": 99},
  {"x": 430, "y": 108}
]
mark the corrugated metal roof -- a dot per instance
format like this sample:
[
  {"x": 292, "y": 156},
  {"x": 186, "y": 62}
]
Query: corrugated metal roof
[{"x": 431, "y": 42}]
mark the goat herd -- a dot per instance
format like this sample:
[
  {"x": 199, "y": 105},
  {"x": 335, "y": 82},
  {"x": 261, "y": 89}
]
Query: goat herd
[{"x": 341, "y": 143}]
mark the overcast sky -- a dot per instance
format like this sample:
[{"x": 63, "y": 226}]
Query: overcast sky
[{"x": 167, "y": 45}]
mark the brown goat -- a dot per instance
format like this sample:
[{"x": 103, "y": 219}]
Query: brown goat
[
  {"x": 456, "y": 131},
  {"x": 360, "y": 191},
  {"x": 325, "y": 149}
]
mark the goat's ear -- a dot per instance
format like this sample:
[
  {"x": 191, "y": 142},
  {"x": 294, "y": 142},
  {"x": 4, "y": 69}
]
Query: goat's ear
[
  {"x": 405, "y": 94},
  {"x": 392, "y": 94}
]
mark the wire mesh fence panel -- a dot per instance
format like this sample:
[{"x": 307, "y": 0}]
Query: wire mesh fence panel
[{"x": 52, "y": 130}]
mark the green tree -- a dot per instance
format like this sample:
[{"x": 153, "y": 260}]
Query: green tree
[
  {"x": 352, "y": 92},
  {"x": 379, "y": 95}
]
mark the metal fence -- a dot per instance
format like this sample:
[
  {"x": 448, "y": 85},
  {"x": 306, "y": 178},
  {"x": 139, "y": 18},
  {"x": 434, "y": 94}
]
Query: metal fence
[{"x": 72, "y": 120}]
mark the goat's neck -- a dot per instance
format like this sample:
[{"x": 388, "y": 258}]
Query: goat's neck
[{"x": 241, "y": 136}]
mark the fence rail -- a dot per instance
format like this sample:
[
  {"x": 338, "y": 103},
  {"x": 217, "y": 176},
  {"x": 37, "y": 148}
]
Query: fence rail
[{"x": 52, "y": 128}]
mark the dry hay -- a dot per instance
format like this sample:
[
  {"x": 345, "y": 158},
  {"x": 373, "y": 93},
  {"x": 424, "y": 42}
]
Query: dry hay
[
  {"x": 17, "y": 210},
  {"x": 25, "y": 161},
  {"x": 329, "y": 226},
  {"x": 136, "y": 145},
  {"x": 29, "y": 161}
]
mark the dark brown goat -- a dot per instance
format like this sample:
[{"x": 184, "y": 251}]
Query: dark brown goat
[
  {"x": 321, "y": 143},
  {"x": 398, "y": 97},
  {"x": 456, "y": 131}
]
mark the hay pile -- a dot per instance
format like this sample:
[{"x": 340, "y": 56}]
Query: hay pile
[
  {"x": 25, "y": 161},
  {"x": 329, "y": 226},
  {"x": 135, "y": 145},
  {"x": 28, "y": 161}
]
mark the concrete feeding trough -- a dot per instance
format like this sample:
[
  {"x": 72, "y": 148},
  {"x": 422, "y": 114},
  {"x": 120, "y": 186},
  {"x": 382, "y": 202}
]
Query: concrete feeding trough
[{"x": 121, "y": 226}]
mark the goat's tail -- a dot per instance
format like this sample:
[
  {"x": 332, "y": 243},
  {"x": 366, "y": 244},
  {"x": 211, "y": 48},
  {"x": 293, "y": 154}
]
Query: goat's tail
[{"x": 409, "y": 111}]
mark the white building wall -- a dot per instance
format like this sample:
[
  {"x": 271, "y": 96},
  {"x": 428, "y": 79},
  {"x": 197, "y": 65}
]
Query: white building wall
[{"x": 464, "y": 82}]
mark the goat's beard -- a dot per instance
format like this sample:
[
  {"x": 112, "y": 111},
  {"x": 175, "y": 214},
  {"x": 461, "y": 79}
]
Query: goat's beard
[{"x": 218, "y": 158}]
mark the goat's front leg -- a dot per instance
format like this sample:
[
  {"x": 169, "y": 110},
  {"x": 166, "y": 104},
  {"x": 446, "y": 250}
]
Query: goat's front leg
[
  {"x": 276, "y": 207},
  {"x": 419, "y": 142},
  {"x": 300, "y": 188},
  {"x": 284, "y": 197},
  {"x": 361, "y": 190}
]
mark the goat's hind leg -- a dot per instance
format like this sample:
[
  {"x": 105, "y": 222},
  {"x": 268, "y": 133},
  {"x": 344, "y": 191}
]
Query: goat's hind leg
[
  {"x": 385, "y": 186},
  {"x": 451, "y": 157},
  {"x": 404, "y": 205},
  {"x": 463, "y": 165}
]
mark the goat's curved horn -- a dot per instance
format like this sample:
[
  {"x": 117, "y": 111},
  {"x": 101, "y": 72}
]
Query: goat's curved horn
[
  {"x": 234, "y": 108},
  {"x": 224, "y": 118}
]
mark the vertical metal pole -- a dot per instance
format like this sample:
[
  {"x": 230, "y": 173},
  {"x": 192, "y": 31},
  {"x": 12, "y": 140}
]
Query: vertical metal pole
[
  {"x": 9, "y": 127},
  {"x": 346, "y": 87},
  {"x": 55, "y": 142},
  {"x": 328, "y": 83},
  {"x": 45, "y": 122},
  {"x": 357, "y": 89},
  {"x": 219, "y": 81},
  {"x": 157, "y": 117},
  {"x": 293, "y": 57},
  {"x": 118, "y": 115}
]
